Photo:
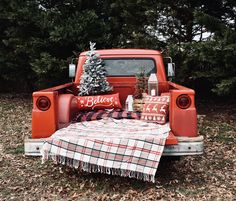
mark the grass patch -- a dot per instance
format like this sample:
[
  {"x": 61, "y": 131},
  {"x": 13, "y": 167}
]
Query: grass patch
[
  {"x": 17, "y": 150},
  {"x": 226, "y": 133},
  {"x": 224, "y": 138},
  {"x": 206, "y": 177}
]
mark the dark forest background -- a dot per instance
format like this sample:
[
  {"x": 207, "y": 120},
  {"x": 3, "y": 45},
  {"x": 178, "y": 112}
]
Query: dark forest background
[{"x": 39, "y": 38}]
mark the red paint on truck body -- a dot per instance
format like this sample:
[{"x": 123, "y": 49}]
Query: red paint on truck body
[{"x": 183, "y": 122}]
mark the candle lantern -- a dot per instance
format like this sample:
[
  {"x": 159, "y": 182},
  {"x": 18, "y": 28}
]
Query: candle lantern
[{"x": 153, "y": 85}]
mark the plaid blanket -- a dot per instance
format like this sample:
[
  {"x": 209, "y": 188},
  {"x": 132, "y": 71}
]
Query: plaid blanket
[
  {"x": 100, "y": 114},
  {"x": 125, "y": 147}
]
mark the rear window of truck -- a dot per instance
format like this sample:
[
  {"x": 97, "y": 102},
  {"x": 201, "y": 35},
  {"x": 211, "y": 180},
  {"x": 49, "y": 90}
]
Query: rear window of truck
[{"x": 129, "y": 67}]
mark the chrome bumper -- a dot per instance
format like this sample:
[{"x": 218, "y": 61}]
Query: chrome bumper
[{"x": 186, "y": 146}]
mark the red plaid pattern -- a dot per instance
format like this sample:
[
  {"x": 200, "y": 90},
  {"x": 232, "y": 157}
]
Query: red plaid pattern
[
  {"x": 123, "y": 147},
  {"x": 100, "y": 114}
]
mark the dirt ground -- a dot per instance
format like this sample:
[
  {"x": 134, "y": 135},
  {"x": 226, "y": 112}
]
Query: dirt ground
[{"x": 211, "y": 176}]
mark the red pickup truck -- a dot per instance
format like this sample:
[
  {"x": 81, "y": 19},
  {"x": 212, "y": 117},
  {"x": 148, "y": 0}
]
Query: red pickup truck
[{"x": 54, "y": 108}]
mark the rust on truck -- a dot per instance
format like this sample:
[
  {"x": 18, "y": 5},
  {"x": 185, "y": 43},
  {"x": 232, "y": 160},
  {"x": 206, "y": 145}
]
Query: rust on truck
[{"x": 55, "y": 107}]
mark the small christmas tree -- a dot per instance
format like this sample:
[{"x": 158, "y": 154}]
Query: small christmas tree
[
  {"x": 93, "y": 80},
  {"x": 141, "y": 85}
]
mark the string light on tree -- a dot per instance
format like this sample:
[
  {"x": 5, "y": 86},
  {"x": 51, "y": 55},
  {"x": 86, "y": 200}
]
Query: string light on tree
[{"x": 93, "y": 80}]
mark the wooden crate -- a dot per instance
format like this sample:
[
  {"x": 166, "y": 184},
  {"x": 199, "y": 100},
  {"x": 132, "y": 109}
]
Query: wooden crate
[{"x": 138, "y": 105}]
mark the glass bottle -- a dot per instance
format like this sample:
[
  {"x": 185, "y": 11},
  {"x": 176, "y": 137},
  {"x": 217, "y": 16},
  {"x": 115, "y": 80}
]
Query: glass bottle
[{"x": 129, "y": 103}]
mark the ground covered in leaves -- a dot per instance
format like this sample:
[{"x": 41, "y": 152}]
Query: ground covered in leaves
[{"x": 211, "y": 176}]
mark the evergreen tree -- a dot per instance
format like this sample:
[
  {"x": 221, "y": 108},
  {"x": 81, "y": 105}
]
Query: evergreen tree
[
  {"x": 93, "y": 80},
  {"x": 38, "y": 38}
]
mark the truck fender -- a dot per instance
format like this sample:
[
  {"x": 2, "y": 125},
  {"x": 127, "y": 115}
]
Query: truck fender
[{"x": 67, "y": 108}]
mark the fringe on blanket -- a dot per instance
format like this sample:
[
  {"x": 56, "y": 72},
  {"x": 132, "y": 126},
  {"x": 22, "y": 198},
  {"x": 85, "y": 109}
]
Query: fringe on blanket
[{"x": 92, "y": 168}]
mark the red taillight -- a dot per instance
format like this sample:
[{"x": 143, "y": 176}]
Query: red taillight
[
  {"x": 183, "y": 101},
  {"x": 43, "y": 103}
]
